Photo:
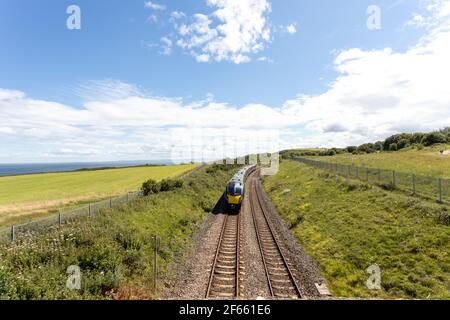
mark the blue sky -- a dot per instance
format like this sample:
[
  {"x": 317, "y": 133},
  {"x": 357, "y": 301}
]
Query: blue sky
[{"x": 291, "y": 54}]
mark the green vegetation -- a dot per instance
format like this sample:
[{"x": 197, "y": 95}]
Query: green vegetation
[
  {"x": 348, "y": 226},
  {"x": 113, "y": 249},
  {"x": 393, "y": 143},
  {"x": 152, "y": 187},
  {"x": 428, "y": 161},
  {"x": 26, "y": 196}
]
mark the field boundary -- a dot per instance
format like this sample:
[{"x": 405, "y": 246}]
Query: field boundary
[
  {"x": 10, "y": 233},
  {"x": 416, "y": 185}
]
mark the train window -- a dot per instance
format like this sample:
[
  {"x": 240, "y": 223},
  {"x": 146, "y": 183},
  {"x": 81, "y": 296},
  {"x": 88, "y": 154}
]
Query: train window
[
  {"x": 230, "y": 189},
  {"x": 234, "y": 190}
]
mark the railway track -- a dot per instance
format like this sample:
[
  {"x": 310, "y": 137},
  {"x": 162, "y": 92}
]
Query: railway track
[
  {"x": 224, "y": 277},
  {"x": 282, "y": 283}
]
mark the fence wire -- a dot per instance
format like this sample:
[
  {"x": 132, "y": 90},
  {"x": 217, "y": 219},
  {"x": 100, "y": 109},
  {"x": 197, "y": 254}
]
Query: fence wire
[
  {"x": 425, "y": 186},
  {"x": 86, "y": 211}
]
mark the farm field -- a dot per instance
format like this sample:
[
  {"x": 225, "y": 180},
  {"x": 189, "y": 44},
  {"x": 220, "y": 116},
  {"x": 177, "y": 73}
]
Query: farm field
[
  {"x": 113, "y": 248},
  {"x": 348, "y": 226},
  {"x": 26, "y": 196},
  {"x": 427, "y": 162}
]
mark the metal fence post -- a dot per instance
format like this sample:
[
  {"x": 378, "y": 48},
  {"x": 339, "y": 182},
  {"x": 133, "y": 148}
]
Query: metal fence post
[
  {"x": 155, "y": 261},
  {"x": 89, "y": 212},
  {"x": 59, "y": 218},
  {"x": 440, "y": 189},
  {"x": 13, "y": 233},
  {"x": 414, "y": 184},
  {"x": 379, "y": 175},
  {"x": 393, "y": 178},
  {"x": 110, "y": 202}
]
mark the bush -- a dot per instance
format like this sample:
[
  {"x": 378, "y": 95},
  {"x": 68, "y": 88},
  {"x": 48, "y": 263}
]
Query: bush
[
  {"x": 393, "y": 147},
  {"x": 434, "y": 138},
  {"x": 403, "y": 144},
  {"x": 444, "y": 218},
  {"x": 152, "y": 187},
  {"x": 7, "y": 286},
  {"x": 351, "y": 149}
]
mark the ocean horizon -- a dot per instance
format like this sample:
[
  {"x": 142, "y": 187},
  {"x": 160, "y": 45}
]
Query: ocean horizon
[{"x": 13, "y": 169}]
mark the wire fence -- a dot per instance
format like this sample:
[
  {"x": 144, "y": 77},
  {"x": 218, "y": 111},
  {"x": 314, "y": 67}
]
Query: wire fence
[
  {"x": 10, "y": 233},
  {"x": 417, "y": 185}
]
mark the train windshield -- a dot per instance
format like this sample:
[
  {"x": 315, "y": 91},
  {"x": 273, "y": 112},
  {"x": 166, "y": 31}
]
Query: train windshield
[{"x": 234, "y": 190}]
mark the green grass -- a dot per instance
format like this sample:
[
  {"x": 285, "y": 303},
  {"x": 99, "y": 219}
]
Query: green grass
[
  {"x": 349, "y": 226},
  {"x": 26, "y": 195},
  {"x": 114, "y": 249},
  {"x": 428, "y": 161}
]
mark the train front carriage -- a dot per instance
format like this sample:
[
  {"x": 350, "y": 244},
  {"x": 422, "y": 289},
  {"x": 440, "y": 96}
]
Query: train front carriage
[
  {"x": 234, "y": 195},
  {"x": 234, "y": 192}
]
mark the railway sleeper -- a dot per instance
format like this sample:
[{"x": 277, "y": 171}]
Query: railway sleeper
[{"x": 222, "y": 266}]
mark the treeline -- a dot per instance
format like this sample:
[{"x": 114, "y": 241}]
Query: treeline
[
  {"x": 151, "y": 186},
  {"x": 395, "y": 142},
  {"x": 404, "y": 140}
]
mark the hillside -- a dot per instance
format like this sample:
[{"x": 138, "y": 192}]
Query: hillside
[
  {"x": 27, "y": 196},
  {"x": 348, "y": 226},
  {"x": 427, "y": 161},
  {"x": 113, "y": 249}
]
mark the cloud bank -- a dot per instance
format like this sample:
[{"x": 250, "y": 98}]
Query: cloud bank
[{"x": 376, "y": 93}]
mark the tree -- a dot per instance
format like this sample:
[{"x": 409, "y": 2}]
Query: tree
[
  {"x": 434, "y": 138},
  {"x": 403, "y": 144},
  {"x": 351, "y": 149},
  {"x": 393, "y": 147}
]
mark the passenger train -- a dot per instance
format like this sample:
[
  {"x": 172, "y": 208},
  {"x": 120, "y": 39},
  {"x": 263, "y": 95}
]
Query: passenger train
[{"x": 234, "y": 192}]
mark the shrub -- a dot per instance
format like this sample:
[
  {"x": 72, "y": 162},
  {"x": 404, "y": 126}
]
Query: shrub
[
  {"x": 7, "y": 287},
  {"x": 393, "y": 147},
  {"x": 403, "y": 144},
  {"x": 351, "y": 149},
  {"x": 434, "y": 138},
  {"x": 150, "y": 187},
  {"x": 444, "y": 218}
]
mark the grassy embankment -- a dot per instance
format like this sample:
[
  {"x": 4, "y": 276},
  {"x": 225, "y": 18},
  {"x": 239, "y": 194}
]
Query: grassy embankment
[
  {"x": 29, "y": 196},
  {"x": 349, "y": 226},
  {"x": 114, "y": 249},
  {"x": 427, "y": 161}
]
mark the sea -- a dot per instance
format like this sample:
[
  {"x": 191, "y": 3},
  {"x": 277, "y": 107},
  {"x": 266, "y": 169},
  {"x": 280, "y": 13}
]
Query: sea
[{"x": 29, "y": 168}]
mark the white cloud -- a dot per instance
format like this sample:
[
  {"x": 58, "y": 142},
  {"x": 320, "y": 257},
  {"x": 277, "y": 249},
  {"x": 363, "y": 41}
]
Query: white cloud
[
  {"x": 265, "y": 59},
  {"x": 154, "y": 6},
  {"x": 167, "y": 46},
  {"x": 436, "y": 14},
  {"x": 234, "y": 31},
  {"x": 107, "y": 89},
  {"x": 202, "y": 58},
  {"x": 376, "y": 93},
  {"x": 292, "y": 28},
  {"x": 177, "y": 15}
]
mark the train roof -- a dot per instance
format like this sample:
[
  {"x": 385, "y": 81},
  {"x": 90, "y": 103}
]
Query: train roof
[{"x": 239, "y": 176}]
